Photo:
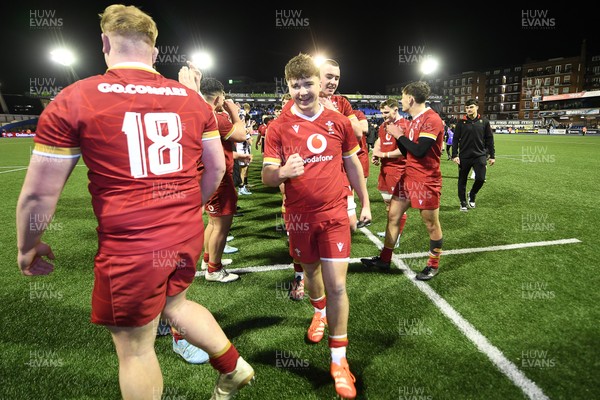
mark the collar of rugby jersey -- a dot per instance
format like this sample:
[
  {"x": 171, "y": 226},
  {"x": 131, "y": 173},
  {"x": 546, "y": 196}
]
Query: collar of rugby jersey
[{"x": 133, "y": 65}]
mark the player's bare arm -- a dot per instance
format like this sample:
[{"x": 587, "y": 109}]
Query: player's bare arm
[
  {"x": 42, "y": 188},
  {"x": 376, "y": 150},
  {"x": 355, "y": 175},
  {"x": 357, "y": 128},
  {"x": 213, "y": 160},
  {"x": 239, "y": 126}
]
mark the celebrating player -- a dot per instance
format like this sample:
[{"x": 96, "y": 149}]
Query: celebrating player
[
  {"x": 305, "y": 148},
  {"x": 420, "y": 185}
]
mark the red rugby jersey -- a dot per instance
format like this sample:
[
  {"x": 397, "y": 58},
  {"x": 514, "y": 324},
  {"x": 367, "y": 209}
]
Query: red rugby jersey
[
  {"x": 140, "y": 135},
  {"x": 387, "y": 143},
  {"x": 427, "y": 124},
  {"x": 322, "y": 141}
]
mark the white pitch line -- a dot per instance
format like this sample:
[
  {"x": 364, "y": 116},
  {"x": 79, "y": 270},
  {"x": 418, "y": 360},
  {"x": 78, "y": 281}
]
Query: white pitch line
[
  {"x": 492, "y": 352},
  {"x": 520, "y": 159},
  {"x": 506, "y": 366},
  {"x": 13, "y": 170},
  {"x": 492, "y": 248},
  {"x": 267, "y": 268}
]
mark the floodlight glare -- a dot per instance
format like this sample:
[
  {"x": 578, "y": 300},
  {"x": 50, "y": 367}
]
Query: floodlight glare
[
  {"x": 429, "y": 65},
  {"x": 319, "y": 60},
  {"x": 202, "y": 60},
  {"x": 62, "y": 56}
]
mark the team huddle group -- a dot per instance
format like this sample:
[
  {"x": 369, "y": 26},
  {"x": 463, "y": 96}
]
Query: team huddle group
[{"x": 314, "y": 151}]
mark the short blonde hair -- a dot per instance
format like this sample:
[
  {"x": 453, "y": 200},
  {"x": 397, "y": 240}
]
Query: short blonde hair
[
  {"x": 301, "y": 67},
  {"x": 129, "y": 21}
]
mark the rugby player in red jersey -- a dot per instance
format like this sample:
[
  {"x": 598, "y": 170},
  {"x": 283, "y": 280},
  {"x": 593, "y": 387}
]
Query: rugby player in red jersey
[
  {"x": 392, "y": 162},
  {"x": 329, "y": 78},
  {"x": 141, "y": 137},
  {"x": 304, "y": 150},
  {"x": 420, "y": 185}
]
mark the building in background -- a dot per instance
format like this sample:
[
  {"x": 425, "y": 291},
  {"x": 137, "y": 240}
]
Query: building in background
[{"x": 510, "y": 96}]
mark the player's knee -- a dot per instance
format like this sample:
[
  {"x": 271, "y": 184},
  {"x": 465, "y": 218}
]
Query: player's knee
[
  {"x": 337, "y": 290},
  {"x": 394, "y": 215},
  {"x": 432, "y": 226}
]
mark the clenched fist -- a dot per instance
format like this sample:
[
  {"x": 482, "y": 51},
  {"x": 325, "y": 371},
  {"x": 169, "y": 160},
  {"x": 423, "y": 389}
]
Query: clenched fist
[{"x": 294, "y": 167}]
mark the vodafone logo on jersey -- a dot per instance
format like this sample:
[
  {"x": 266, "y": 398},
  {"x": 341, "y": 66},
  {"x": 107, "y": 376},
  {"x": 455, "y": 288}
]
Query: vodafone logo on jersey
[
  {"x": 411, "y": 133},
  {"x": 317, "y": 144}
]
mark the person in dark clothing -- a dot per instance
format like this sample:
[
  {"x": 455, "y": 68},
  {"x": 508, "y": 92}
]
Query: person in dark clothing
[{"x": 472, "y": 144}]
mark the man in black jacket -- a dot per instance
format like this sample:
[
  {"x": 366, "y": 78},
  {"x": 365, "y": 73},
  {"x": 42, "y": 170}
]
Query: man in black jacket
[{"x": 473, "y": 142}]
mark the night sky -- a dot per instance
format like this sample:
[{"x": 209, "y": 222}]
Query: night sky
[{"x": 376, "y": 44}]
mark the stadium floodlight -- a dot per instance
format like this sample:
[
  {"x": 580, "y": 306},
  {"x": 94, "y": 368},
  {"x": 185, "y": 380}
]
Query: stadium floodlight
[
  {"x": 202, "y": 60},
  {"x": 319, "y": 59},
  {"x": 429, "y": 65},
  {"x": 62, "y": 56}
]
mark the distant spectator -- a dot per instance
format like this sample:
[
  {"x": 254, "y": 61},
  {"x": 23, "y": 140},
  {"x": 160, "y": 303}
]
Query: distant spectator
[{"x": 472, "y": 144}]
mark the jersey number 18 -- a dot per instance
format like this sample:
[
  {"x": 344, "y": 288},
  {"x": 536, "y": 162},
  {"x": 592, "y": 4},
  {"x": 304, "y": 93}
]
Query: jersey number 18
[{"x": 153, "y": 124}]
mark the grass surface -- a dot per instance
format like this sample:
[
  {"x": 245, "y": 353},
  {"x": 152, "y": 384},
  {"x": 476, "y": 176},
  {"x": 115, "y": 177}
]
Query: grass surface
[{"x": 538, "y": 305}]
